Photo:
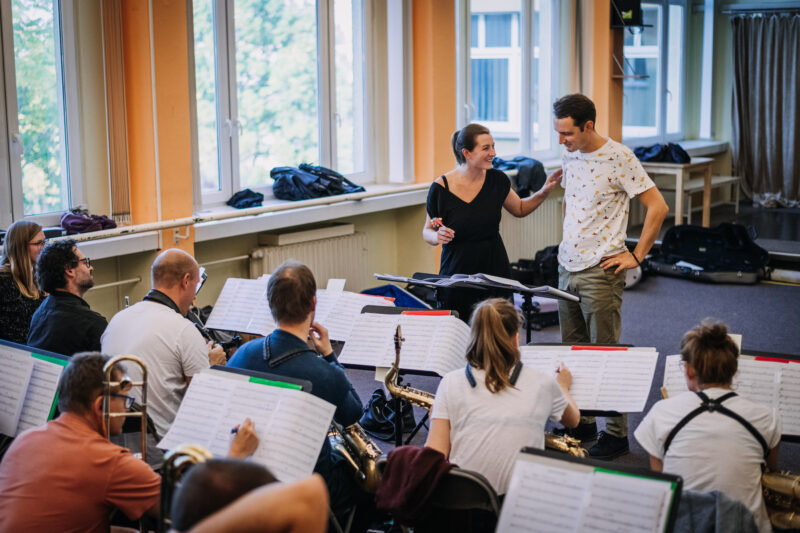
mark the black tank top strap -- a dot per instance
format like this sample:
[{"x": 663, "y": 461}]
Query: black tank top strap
[{"x": 444, "y": 180}]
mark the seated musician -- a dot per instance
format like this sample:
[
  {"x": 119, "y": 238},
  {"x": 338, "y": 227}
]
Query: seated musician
[
  {"x": 300, "y": 348},
  {"x": 229, "y": 495},
  {"x": 66, "y": 476},
  {"x": 157, "y": 331},
  {"x": 722, "y": 450},
  {"x": 484, "y": 414}
]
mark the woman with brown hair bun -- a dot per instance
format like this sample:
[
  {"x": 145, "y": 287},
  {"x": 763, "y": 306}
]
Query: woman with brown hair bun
[
  {"x": 711, "y": 437},
  {"x": 485, "y": 413},
  {"x": 464, "y": 209},
  {"x": 19, "y": 295}
]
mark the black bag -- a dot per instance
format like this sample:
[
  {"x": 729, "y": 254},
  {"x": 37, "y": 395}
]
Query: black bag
[
  {"x": 724, "y": 254},
  {"x": 378, "y": 417},
  {"x": 541, "y": 270},
  {"x": 307, "y": 181},
  {"x": 662, "y": 153}
]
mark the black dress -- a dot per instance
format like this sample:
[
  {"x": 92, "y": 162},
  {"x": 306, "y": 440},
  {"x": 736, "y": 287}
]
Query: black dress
[
  {"x": 477, "y": 246},
  {"x": 16, "y": 310}
]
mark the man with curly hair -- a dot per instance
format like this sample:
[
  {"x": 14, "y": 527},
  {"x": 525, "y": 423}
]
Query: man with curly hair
[{"x": 64, "y": 323}]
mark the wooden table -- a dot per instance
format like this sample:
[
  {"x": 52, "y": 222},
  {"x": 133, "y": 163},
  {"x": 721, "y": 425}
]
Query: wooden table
[{"x": 682, "y": 172}]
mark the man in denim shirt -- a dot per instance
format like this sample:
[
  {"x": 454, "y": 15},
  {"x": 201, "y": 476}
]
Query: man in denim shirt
[{"x": 300, "y": 348}]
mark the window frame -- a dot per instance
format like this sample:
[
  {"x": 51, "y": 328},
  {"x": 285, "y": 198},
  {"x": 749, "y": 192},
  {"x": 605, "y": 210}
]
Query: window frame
[
  {"x": 11, "y": 203},
  {"x": 536, "y": 108},
  {"x": 662, "y": 56},
  {"x": 228, "y": 124}
]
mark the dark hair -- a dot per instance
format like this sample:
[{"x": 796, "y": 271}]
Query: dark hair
[
  {"x": 208, "y": 487},
  {"x": 82, "y": 381},
  {"x": 465, "y": 138},
  {"x": 55, "y": 257},
  {"x": 711, "y": 352},
  {"x": 16, "y": 258},
  {"x": 576, "y": 106},
  {"x": 170, "y": 266},
  {"x": 492, "y": 348},
  {"x": 290, "y": 292}
]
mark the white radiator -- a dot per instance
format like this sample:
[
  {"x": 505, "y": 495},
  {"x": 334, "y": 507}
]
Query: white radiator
[
  {"x": 523, "y": 237},
  {"x": 336, "y": 257}
]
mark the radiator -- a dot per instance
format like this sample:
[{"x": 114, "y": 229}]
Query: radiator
[
  {"x": 523, "y": 237},
  {"x": 338, "y": 257}
]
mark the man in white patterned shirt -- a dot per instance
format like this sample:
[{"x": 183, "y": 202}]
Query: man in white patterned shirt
[{"x": 600, "y": 176}]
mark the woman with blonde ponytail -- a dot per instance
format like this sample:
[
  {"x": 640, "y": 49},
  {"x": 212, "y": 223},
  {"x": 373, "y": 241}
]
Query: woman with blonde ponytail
[
  {"x": 486, "y": 412},
  {"x": 19, "y": 296},
  {"x": 712, "y": 438}
]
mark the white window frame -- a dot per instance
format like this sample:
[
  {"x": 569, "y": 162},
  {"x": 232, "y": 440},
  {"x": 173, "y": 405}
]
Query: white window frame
[
  {"x": 661, "y": 54},
  {"x": 541, "y": 109},
  {"x": 227, "y": 112},
  {"x": 11, "y": 199}
]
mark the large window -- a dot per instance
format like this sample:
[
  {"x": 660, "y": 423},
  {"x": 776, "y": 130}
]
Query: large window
[
  {"x": 509, "y": 74},
  {"x": 653, "y": 88},
  {"x": 36, "y": 180},
  {"x": 278, "y": 82}
]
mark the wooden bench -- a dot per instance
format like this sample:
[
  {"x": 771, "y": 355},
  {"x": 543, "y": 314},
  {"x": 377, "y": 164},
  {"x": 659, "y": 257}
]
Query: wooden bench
[{"x": 695, "y": 185}]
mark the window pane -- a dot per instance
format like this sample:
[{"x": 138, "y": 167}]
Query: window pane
[
  {"x": 496, "y": 72},
  {"x": 40, "y": 106},
  {"x": 276, "y": 79},
  {"x": 640, "y": 107},
  {"x": 674, "y": 68},
  {"x": 206, "y": 92},
  {"x": 349, "y": 73},
  {"x": 473, "y": 31}
]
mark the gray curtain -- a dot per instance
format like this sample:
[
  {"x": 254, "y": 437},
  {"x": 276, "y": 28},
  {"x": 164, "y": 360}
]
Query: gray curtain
[{"x": 766, "y": 107}]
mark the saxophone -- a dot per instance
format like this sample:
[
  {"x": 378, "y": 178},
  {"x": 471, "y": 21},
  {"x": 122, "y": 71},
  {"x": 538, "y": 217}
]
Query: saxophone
[
  {"x": 360, "y": 451},
  {"x": 417, "y": 397},
  {"x": 425, "y": 399},
  {"x": 782, "y": 498}
]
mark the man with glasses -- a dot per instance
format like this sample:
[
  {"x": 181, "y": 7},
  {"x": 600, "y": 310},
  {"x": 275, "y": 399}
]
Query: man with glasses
[
  {"x": 66, "y": 476},
  {"x": 64, "y": 323}
]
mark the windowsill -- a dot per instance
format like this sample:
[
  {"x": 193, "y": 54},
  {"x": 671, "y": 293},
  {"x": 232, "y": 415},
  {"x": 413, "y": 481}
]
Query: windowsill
[{"x": 704, "y": 147}]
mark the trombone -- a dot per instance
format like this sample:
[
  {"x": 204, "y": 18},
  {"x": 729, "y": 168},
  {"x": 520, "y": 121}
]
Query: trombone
[{"x": 124, "y": 381}]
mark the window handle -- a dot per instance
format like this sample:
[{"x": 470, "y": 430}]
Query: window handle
[
  {"x": 467, "y": 112},
  {"x": 17, "y": 146},
  {"x": 232, "y": 126}
]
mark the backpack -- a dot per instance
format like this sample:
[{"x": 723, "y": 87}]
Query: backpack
[
  {"x": 541, "y": 270},
  {"x": 307, "y": 181},
  {"x": 662, "y": 153}
]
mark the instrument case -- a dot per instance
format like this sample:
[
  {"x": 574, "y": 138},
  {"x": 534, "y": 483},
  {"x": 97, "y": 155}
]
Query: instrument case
[{"x": 722, "y": 254}]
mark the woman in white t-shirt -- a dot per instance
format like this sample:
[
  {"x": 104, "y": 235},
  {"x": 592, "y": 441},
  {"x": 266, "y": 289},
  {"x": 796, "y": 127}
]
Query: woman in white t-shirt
[
  {"x": 713, "y": 450},
  {"x": 485, "y": 413}
]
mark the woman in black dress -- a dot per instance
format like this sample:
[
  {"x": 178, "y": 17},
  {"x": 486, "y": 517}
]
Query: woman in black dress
[
  {"x": 19, "y": 296},
  {"x": 464, "y": 210}
]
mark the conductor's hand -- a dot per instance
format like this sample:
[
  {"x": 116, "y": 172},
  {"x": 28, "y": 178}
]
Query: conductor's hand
[
  {"x": 318, "y": 336},
  {"x": 564, "y": 377},
  {"x": 245, "y": 442},
  {"x": 444, "y": 235},
  {"x": 216, "y": 355},
  {"x": 552, "y": 180},
  {"x": 621, "y": 261}
]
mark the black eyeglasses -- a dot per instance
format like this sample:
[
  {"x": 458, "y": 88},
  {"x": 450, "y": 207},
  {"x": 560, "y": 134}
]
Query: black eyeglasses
[
  {"x": 128, "y": 399},
  {"x": 85, "y": 260},
  {"x": 38, "y": 244}
]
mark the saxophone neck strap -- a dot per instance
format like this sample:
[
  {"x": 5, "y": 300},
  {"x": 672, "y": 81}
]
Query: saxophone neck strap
[
  {"x": 512, "y": 379},
  {"x": 279, "y": 360},
  {"x": 159, "y": 297},
  {"x": 712, "y": 406}
]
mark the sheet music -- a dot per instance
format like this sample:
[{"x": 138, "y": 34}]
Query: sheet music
[
  {"x": 291, "y": 425},
  {"x": 15, "y": 373},
  {"x": 345, "y": 310},
  {"x": 543, "y": 498},
  {"x": 242, "y": 306},
  {"x": 770, "y": 383},
  {"x": 547, "y": 494},
  {"x": 41, "y": 392},
  {"x": 434, "y": 343},
  {"x": 617, "y": 380}
]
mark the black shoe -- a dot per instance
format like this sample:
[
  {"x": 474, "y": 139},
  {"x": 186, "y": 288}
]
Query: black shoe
[
  {"x": 584, "y": 432},
  {"x": 608, "y": 447}
]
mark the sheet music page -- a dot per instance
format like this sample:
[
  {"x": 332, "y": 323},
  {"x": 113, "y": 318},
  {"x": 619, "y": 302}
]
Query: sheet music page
[
  {"x": 342, "y": 317},
  {"x": 449, "y": 348},
  {"x": 789, "y": 404},
  {"x": 619, "y": 503},
  {"x": 758, "y": 381},
  {"x": 41, "y": 391},
  {"x": 16, "y": 367},
  {"x": 601, "y": 379},
  {"x": 371, "y": 342},
  {"x": 418, "y": 332},
  {"x": 543, "y": 498},
  {"x": 674, "y": 378},
  {"x": 326, "y": 300},
  {"x": 242, "y": 306}
]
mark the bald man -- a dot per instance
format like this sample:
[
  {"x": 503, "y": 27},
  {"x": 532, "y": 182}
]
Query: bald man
[{"x": 157, "y": 331}]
